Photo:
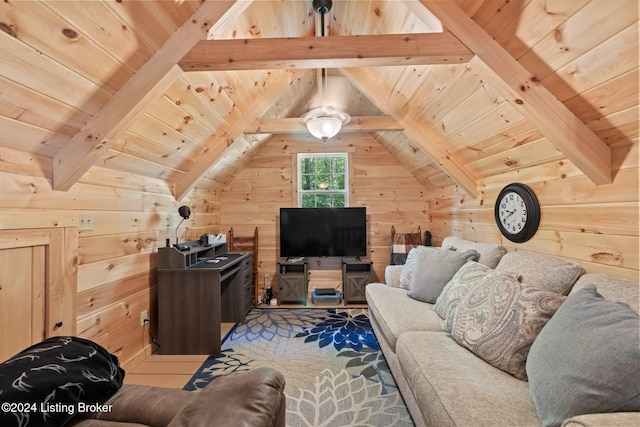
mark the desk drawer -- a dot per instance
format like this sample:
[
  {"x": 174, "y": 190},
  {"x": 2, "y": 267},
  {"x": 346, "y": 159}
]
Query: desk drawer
[{"x": 247, "y": 296}]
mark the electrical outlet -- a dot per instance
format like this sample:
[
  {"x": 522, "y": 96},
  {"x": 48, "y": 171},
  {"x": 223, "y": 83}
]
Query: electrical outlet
[
  {"x": 85, "y": 222},
  {"x": 143, "y": 317}
]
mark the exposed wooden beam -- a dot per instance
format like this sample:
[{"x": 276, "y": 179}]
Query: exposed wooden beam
[
  {"x": 296, "y": 125},
  {"x": 225, "y": 136},
  {"x": 527, "y": 94},
  {"x": 87, "y": 147},
  {"x": 326, "y": 52},
  {"x": 437, "y": 152}
]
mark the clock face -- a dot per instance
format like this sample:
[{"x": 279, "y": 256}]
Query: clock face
[
  {"x": 517, "y": 212},
  {"x": 513, "y": 213}
]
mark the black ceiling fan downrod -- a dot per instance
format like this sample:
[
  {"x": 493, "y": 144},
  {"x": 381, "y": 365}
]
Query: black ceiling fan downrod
[{"x": 322, "y": 7}]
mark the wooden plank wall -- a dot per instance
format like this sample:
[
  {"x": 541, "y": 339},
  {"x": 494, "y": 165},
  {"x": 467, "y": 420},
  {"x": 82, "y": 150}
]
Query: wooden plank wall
[
  {"x": 390, "y": 193},
  {"x": 116, "y": 263},
  {"x": 596, "y": 226}
]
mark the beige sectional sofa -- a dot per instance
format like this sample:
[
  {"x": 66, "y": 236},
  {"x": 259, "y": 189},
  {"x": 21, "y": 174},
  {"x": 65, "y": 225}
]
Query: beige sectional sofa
[{"x": 445, "y": 384}]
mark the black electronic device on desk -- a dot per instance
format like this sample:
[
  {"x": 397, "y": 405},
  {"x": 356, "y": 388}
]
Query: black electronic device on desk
[{"x": 182, "y": 247}]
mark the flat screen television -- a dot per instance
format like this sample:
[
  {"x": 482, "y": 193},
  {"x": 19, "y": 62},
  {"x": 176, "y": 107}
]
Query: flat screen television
[{"x": 323, "y": 232}]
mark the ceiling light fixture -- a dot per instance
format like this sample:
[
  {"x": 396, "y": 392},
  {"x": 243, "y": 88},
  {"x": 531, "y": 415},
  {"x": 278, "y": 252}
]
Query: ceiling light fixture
[
  {"x": 324, "y": 127},
  {"x": 324, "y": 123}
]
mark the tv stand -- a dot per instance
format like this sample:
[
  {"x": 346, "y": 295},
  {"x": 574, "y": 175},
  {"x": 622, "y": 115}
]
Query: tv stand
[
  {"x": 356, "y": 275},
  {"x": 292, "y": 280}
]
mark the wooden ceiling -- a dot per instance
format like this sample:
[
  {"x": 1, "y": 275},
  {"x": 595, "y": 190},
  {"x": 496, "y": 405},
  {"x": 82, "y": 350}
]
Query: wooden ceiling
[{"x": 188, "y": 91}]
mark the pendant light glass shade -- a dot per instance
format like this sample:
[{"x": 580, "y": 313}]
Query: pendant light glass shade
[{"x": 324, "y": 127}]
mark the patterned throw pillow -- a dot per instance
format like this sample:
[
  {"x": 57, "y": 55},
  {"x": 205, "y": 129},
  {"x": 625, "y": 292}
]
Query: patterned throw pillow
[
  {"x": 407, "y": 269},
  {"x": 499, "y": 319},
  {"x": 465, "y": 279}
]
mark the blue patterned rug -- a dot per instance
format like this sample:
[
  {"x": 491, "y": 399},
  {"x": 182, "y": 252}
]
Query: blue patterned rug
[{"x": 335, "y": 372}]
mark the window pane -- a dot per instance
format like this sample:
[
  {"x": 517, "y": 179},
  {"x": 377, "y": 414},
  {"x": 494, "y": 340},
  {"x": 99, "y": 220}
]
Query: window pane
[
  {"x": 337, "y": 182},
  {"x": 339, "y": 164},
  {"x": 306, "y": 181},
  {"x": 322, "y": 165},
  {"x": 337, "y": 200},
  {"x": 323, "y": 179},
  {"x": 307, "y": 165},
  {"x": 323, "y": 200},
  {"x": 308, "y": 201}
]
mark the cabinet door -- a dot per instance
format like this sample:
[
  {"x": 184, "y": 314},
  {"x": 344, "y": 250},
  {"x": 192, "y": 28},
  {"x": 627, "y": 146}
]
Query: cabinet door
[
  {"x": 38, "y": 286},
  {"x": 354, "y": 290},
  {"x": 292, "y": 288},
  {"x": 22, "y": 299}
]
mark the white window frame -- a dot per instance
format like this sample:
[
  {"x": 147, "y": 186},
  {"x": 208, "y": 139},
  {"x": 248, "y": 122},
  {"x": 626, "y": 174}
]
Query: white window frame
[{"x": 345, "y": 192}]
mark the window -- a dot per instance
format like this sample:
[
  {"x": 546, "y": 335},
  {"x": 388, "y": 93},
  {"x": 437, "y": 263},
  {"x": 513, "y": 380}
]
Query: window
[{"x": 323, "y": 180}]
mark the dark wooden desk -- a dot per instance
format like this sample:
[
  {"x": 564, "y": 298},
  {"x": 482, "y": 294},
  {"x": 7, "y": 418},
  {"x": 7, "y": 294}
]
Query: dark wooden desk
[{"x": 202, "y": 288}]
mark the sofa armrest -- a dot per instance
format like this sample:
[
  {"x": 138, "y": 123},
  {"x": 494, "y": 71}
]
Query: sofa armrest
[
  {"x": 620, "y": 419},
  {"x": 392, "y": 275},
  {"x": 251, "y": 398},
  {"x": 138, "y": 404}
]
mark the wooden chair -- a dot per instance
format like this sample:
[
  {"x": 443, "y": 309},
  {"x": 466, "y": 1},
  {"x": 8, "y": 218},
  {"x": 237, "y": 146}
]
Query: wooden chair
[{"x": 246, "y": 244}]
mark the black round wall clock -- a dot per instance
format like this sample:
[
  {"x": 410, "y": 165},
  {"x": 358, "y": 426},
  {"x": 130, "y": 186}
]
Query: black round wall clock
[{"x": 517, "y": 212}]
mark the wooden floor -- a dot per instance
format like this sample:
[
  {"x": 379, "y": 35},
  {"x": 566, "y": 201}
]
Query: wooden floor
[
  {"x": 174, "y": 371},
  {"x": 171, "y": 371}
]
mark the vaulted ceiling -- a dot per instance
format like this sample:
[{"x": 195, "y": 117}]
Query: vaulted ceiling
[{"x": 189, "y": 91}]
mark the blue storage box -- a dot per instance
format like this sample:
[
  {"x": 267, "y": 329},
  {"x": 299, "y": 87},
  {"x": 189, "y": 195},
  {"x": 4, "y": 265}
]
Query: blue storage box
[{"x": 330, "y": 299}]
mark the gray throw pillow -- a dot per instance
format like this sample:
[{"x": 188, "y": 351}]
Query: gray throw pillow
[
  {"x": 490, "y": 254},
  {"x": 585, "y": 360},
  {"x": 542, "y": 271},
  {"x": 434, "y": 267}
]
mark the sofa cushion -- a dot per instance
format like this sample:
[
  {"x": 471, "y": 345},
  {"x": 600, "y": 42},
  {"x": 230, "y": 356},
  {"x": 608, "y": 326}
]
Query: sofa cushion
[
  {"x": 542, "y": 271},
  {"x": 465, "y": 279},
  {"x": 499, "y": 319},
  {"x": 618, "y": 419},
  {"x": 250, "y": 398},
  {"x": 60, "y": 372},
  {"x": 434, "y": 268},
  {"x": 586, "y": 359},
  {"x": 454, "y": 387},
  {"x": 612, "y": 288},
  {"x": 396, "y": 313},
  {"x": 490, "y": 254}
]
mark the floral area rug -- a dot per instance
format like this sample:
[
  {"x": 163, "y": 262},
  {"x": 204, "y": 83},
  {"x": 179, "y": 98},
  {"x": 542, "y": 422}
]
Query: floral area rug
[{"x": 335, "y": 372}]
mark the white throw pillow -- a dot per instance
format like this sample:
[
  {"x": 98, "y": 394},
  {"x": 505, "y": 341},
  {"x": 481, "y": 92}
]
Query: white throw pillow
[{"x": 407, "y": 269}]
